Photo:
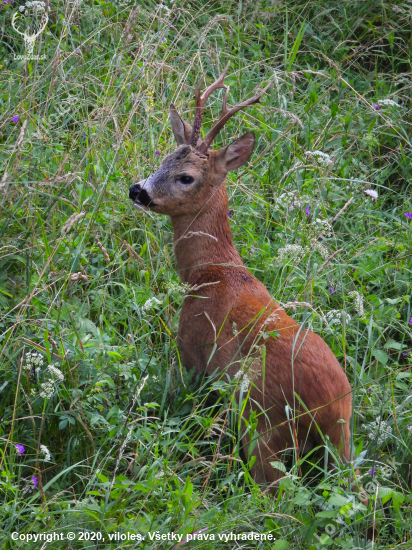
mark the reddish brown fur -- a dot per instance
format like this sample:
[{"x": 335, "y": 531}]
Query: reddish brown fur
[{"x": 317, "y": 376}]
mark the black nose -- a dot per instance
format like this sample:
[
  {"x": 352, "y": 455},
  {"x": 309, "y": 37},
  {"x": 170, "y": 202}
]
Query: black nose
[
  {"x": 140, "y": 195},
  {"x": 134, "y": 191}
]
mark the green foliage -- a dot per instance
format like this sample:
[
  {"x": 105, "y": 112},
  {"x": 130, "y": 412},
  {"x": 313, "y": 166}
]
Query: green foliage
[{"x": 137, "y": 444}]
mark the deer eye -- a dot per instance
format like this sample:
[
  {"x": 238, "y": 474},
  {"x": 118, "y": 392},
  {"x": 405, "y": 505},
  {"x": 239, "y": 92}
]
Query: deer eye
[{"x": 186, "y": 180}]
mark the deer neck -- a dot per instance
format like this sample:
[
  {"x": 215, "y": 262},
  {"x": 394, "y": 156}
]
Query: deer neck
[{"x": 204, "y": 239}]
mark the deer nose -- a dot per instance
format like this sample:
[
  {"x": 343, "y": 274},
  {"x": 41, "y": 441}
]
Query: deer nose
[{"x": 134, "y": 191}]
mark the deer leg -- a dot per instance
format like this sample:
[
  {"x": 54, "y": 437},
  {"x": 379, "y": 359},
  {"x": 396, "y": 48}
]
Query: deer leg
[
  {"x": 268, "y": 448},
  {"x": 340, "y": 438}
]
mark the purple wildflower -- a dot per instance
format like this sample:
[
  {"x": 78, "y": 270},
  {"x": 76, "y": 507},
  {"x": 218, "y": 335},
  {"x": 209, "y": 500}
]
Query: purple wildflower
[
  {"x": 410, "y": 321},
  {"x": 308, "y": 213},
  {"x": 332, "y": 290},
  {"x": 353, "y": 269},
  {"x": 372, "y": 193},
  {"x": 19, "y": 449},
  {"x": 230, "y": 212},
  {"x": 79, "y": 52},
  {"x": 34, "y": 480},
  {"x": 84, "y": 135},
  {"x": 408, "y": 215},
  {"x": 372, "y": 471},
  {"x": 376, "y": 106},
  {"x": 293, "y": 206},
  {"x": 157, "y": 153},
  {"x": 16, "y": 118}
]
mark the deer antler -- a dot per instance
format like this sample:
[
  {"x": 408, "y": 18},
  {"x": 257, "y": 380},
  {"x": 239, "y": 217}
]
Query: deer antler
[
  {"x": 224, "y": 117},
  {"x": 200, "y": 104}
]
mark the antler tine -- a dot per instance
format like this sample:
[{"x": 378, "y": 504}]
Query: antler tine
[
  {"x": 224, "y": 102},
  {"x": 225, "y": 115},
  {"x": 200, "y": 104}
]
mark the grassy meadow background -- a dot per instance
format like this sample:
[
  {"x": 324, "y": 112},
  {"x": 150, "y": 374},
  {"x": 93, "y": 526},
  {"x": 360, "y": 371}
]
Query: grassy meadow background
[{"x": 121, "y": 438}]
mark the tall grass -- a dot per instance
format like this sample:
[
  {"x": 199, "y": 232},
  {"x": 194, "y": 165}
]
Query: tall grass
[{"x": 138, "y": 444}]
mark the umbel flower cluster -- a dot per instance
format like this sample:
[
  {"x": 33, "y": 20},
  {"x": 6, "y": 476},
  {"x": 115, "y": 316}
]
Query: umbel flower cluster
[
  {"x": 48, "y": 386},
  {"x": 388, "y": 102},
  {"x": 149, "y": 304},
  {"x": 291, "y": 200},
  {"x": 45, "y": 451},
  {"x": 35, "y": 5},
  {"x": 336, "y": 316},
  {"x": 379, "y": 430},
  {"x": 52, "y": 376},
  {"x": 321, "y": 158},
  {"x": 293, "y": 252},
  {"x": 34, "y": 359},
  {"x": 357, "y": 302}
]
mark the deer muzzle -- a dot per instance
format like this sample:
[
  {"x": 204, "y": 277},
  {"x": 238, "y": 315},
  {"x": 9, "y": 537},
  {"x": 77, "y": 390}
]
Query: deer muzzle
[{"x": 140, "y": 196}]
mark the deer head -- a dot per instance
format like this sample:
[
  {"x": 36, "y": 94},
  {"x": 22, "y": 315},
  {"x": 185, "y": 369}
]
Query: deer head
[{"x": 188, "y": 177}]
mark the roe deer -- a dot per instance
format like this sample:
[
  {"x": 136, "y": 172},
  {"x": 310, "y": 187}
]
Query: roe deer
[{"x": 232, "y": 308}]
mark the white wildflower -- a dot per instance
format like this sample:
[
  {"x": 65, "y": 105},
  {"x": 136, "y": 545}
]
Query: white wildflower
[
  {"x": 177, "y": 288},
  {"x": 35, "y": 5},
  {"x": 46, "y": 452},
  {"x": 320, "y": 248},
  {"x": 388, "y": 102},
  {"x": 372, "y": 193},
  {"x": 289, "y": 200},
  {"x": 319, "y": 227},
  {"x": 379, "y": 430},
  {"x": 357, "y": 302},
  {"x": 335, "y": 316},
  {"x": 321, "y": 158},
  {"x": 47, "y": 389},
  {"x": 409, "y": 428},
  {"x": 33, "y": 359},
  {"x": 244, "y": 380},
  {"x": 290, "y": 252},
  {"x": 286, "y": 200},
  {"x": 149, "y": 304},
  {"x": 55, "y": 373}
]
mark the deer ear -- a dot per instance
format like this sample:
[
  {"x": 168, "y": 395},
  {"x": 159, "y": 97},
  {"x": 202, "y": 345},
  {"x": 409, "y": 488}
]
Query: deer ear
[
  {"x": 181, "y": 129},
  {"x": 237, "y": 153}
]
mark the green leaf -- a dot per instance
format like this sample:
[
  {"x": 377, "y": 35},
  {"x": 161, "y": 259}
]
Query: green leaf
[
  {"x": 397, "y": 499},
  {"x": 338, "y": 500},
  {"x": 295, "y": 47},
  {"x": 385, "y": 493},
  {"x": 381, "y": 356},
  {"x": 394, "y": 345},
  {"x": 278, "y": 466},
  {"x": 281, "y": 544},
  {"x": 327, "y": 514}
]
